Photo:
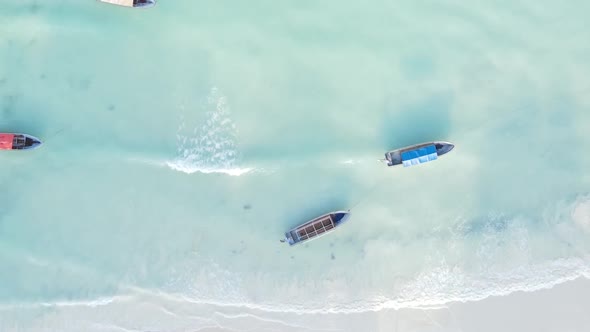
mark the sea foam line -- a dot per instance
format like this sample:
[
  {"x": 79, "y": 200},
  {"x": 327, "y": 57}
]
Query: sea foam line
[
  {"x": 190, "y": 169},
  {"x": 181, "y": 166},
  {"x": 497, "y": 287},
  {"x": 98, "y": 302},
  {"x": 416, "y": 296}
]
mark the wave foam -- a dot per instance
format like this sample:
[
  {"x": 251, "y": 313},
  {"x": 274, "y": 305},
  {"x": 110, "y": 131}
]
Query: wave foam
[
  {"x": 434, "y": 289},
  {"x": 190, "y": 168},
  {"x": 98, "y": 302},
  {"x": 416, "y": 295},
  {"x": 211, "y": 147},
  {"x": 447, "y": 284}
]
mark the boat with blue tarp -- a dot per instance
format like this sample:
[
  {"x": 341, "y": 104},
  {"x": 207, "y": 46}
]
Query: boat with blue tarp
[
  {"x": 316, "y": 227},
  {"x": 418, "y": 154}
]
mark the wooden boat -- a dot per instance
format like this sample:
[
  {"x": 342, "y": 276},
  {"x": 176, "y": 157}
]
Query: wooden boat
[
  {"x": 12, "y": 141},
  {"x": 317, "y": 227},
  {"x": 132, "y": 3},
  {"x": 417, "y": 154}
]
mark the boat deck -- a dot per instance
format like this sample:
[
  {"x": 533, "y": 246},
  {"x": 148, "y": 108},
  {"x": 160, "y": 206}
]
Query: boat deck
[
  {"x": 314, "y": 228},
  {"x": 394, "y": 157},
  {"x": 19, "y": 142}
]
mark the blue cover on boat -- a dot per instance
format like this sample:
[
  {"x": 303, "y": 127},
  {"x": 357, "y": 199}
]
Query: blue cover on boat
[{"x": 419, "y": 156}]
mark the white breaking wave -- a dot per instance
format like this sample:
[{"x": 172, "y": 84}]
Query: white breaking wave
[
  {"x": 446, "y": 284},
  {"x": 211, "y": 147},
  {"x": 102, "y": 301},
  {"x": 433, "y": 289},
  {"x": 180, "y": 166},
  {"x": 190, "y": 168}
]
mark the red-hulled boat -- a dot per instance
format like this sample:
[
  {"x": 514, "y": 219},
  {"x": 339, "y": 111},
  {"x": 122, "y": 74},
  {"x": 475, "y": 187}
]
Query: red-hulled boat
[{"x": 12, "y": 141}]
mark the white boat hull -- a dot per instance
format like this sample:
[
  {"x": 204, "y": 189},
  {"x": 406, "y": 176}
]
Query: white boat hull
[{"x": 131, "y": 3}]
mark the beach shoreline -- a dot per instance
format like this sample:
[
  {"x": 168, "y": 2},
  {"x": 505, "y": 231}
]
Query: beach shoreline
[{"x": 559, "y": 308}]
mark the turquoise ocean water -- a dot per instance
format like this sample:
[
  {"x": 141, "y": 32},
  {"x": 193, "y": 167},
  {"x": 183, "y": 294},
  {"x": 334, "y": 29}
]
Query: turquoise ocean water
[{"x": 183, "y": 140}]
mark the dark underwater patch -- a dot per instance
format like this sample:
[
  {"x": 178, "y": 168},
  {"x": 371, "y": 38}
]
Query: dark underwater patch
[{"x": 8, "y": 105}]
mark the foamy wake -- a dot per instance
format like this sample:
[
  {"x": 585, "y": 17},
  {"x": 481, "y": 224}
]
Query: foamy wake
[
  {"x": 209, "y": 147},
  {"x": 189, "y": 168}
]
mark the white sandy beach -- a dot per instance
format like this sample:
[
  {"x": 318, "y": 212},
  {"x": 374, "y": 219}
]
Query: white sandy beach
[
  {"x": 561, "y": 308},
  {"x": 558, "y": 309}
]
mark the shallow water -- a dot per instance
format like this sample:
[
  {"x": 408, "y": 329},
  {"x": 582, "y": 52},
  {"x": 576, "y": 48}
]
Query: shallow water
[{"x": 182, "y": 141}]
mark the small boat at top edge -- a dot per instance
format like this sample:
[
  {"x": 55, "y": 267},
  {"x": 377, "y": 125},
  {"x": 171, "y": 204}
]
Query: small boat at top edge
[
  {"x": 418, "y": 154},
  {"x": 317, "y": 227},
  {"x": 13, "y": 141},
  {"x": 132, "y": 3}
]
